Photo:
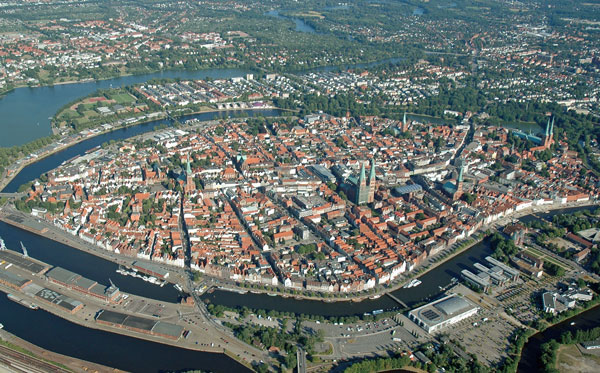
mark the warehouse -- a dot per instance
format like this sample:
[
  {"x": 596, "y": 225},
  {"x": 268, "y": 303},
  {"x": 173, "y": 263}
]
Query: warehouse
[
  {"x": 84, "y": 285},
  {"x": 139, "y": 324},
  {"x": 437, "y": 315},
  {"x": 35, "y": 267},
  {"x": 13, "y": 280}
]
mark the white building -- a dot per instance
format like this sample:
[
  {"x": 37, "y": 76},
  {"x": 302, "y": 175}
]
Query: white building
[{"x": 442, "y": 313}]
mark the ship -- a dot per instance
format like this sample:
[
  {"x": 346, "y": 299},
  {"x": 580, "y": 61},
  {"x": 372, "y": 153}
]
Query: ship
[
  {"x": 413, "y": 283},
  {"x": 2, "y": 244},
  {"x": 22, "y": 301},
  {"x": 1, "y": 326},
  {"x": 377, "y": 296},
  {"x": 134, "y": 273},
  {"x": 178, "y": 287}
]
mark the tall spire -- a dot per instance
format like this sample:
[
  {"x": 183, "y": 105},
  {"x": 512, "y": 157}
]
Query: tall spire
[
  {"x": 361, "y": 179},
  {"x": 460, "y": 172},
  {"x": 188, "y": 170},
  {"x": 552, "y": 127},
  {"x": 404, "y": 120},
  {"x": 372, "y": 174},
  {"x": 547, "y": 128}
]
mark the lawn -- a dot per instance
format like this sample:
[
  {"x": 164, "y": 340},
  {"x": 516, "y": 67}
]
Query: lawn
[
  {"x": 570, "y": 359},
  {"x": 123, "y": 98}
]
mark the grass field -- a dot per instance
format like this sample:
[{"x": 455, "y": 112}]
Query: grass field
[
  {"x": 547, "y": 258},
  {"x": 123, "y": 98},
  {"x": 571, "y": 360}
]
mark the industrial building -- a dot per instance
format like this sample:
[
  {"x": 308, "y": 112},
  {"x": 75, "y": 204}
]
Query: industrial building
[
  {"x": 435, "y": 316},
  {"x": 55, "y": 298},
  {"x": 480, "y": 280},
  {"x": 139, "y": 324},
  {"x": 35, "y": 267},
  {"x": 486, "y": 276},
  {"x": 84, "y": 285},
  {"x": 13, "y": 280}
]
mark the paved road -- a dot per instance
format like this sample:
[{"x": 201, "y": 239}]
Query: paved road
[{"x": 301, "y": 357}]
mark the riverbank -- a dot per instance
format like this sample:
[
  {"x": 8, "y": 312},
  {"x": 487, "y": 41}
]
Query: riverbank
[
  {"x": 58, "y": 235},
  {"x": 207, "y": 337},
  {"x": 529, "y": 353},
  {"x": 24, "y": 162}
]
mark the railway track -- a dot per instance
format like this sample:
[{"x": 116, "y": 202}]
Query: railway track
[{"x": 20, "y": 362}]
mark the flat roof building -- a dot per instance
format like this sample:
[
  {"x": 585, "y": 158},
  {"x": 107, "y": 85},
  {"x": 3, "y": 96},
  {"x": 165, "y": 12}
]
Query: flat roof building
[
  {"x": 24, "y": 262},
  {"x": 509, "y": 272},
  {"x": 82, "y": 284},
  {"x": 151, "y": 269},
  {"x": 13, "y": 280},
  {"x": 441, "y": 313},
  {"x": 139, "y": 324},
  {"x": 481, "y": 280}
]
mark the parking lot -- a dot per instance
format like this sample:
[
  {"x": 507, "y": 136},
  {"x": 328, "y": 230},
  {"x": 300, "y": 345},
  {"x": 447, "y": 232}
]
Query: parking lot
[{"x": 484, "y": 335}]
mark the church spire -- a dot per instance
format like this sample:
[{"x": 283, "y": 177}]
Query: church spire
[
  {"x": 361, "y": 179},
  {"x": 372, "y": 173},
  {"x": 188, "y": 170}
]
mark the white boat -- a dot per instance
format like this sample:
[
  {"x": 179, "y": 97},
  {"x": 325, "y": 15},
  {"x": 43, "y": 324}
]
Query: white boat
[
  {"x": 413, "y": 283},
  {"x": 2, "y": 244},
  {"x": 178, "y": 287},
  {"x": 1, "y": 326},
  {"x": 377, "y": 296}
]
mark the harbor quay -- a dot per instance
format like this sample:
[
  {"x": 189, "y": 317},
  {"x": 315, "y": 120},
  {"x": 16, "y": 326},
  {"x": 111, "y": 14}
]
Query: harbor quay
[{"x": 35, "y": 284}]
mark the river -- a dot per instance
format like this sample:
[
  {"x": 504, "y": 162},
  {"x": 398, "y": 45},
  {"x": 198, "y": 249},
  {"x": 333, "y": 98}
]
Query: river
[
  {"x": 531, "y": 351},
  {"x": 30, "y": 109},
  {"x": 122, "y": 352},
  {"x": 56, "y": 334},
  {"x": 301, "y": 26},
  {"x": 429, "y": 288}
]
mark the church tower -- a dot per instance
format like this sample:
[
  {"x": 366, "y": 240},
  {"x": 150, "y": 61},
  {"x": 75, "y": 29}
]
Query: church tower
[
  {"x": 372, "y": 183},
  {"x": 404, "y": 123},
  {"x": 190, "y": 185},
  {"x": 548, "y": 135},
  {"x": 459, "y": 183},
  {"x": 361, "y": 192}
]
